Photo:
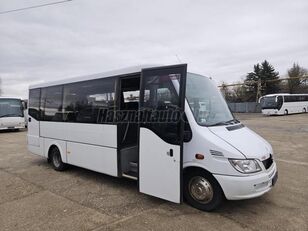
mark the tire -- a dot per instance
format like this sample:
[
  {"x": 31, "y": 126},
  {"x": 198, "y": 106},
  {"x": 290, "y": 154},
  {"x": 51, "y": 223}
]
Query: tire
[
  {"x": 286, "y": 112},
  {"x": 304, "y": 110},
  {"x": 55, "y": 160},
  {"x": 201, "y": 180}
]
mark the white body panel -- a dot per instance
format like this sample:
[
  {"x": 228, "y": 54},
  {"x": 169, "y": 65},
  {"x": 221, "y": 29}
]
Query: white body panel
[
  {"x": 91, "y": 146},
  {"x": 35, "y": 143},
  {"x": 94, "y": 134},
  {"x": 294, "y": 107},
  {"x": 157, "y": 166},
  {"x": 96, "y": 158}
]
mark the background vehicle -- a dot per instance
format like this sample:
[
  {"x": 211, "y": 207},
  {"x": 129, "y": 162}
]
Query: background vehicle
[
  {"x": 11, "y": 113},
  {"x": 169, "y": 129},
  {"x": 284, "y": 104}
]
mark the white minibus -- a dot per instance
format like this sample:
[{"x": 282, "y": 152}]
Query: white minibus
[
  {"x": 169, "y": 129},
  {"x": 11, "y": 113},
  {"x": 284, "y": 104}
]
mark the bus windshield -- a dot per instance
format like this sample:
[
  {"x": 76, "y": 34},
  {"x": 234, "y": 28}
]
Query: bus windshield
[
  {"x": 10, "y": 108},
  {"x": 206, "y": 102},
  {"x": 271, "y": 102}
]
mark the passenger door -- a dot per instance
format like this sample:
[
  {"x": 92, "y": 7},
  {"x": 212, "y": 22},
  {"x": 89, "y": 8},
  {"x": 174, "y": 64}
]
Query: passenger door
[
  {"x": 162, "y": 95},
  {"x": 33, "y": 121}
]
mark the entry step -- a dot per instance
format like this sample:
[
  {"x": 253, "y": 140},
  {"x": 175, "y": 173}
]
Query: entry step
[{"x": 131, "y": 175}]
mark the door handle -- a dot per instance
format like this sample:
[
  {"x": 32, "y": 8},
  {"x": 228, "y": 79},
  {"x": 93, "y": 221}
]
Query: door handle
[{"x": 170, "y": 152}]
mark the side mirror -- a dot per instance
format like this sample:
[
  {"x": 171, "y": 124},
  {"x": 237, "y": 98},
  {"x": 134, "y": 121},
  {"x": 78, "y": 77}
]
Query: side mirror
[{"x": 187, "y": 136}]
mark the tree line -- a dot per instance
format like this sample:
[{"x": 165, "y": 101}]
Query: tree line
[{"x": 263, "y": 80}]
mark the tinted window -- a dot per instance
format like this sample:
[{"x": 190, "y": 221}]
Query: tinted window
[
  {"x": 89, "y": 101},
  {"x": 294, "y": 98},
  {"x": 34, "y": 103},
  {"x": 51, "y": 103},
  {"x": 160, "y": 106}
]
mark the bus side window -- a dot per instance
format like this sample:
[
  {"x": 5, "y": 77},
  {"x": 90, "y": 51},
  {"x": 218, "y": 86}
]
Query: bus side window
[
  {"x": 91, "y": 101},
  {"x": 34, "y": 102},
  {"x": 161, "y": 109},
  {"x": 51, "y": 103}
]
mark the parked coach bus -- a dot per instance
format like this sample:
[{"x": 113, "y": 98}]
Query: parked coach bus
[
  {"x": 169, "y": 129},
  {"x": 284, "y": 104},
  {"x": 11, "y": 113}
]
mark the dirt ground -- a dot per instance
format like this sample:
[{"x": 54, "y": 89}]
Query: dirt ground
[{"x": 35, "y": 197}]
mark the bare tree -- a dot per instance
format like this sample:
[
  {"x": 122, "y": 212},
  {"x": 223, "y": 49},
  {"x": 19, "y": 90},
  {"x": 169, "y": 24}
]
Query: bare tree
[{"x": 226, "y": 92}]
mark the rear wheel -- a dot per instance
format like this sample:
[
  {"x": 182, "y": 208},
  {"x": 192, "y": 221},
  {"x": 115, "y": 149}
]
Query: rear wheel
[
  {"x": 56, "y": 160},
  {"x": 304, "y": 110},
  {"x": 202, "y": 191}
]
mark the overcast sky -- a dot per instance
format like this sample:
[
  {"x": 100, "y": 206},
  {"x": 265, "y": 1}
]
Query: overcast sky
[{"x": 221, "y": 39}]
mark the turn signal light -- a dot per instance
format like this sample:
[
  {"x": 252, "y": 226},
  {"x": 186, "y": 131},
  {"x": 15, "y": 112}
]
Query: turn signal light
[{"x": 199, "y": 156}]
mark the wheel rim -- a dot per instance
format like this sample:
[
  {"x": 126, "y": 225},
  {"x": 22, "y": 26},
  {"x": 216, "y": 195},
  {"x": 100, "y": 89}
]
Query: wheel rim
[
  {"x": 56, "y": 159},
  {"x": 201, "y": 189},
  {"x": 285, "y": 112}
]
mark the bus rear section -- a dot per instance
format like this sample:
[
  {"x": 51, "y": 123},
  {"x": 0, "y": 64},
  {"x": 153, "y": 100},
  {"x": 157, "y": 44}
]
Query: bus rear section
[{"x": 11, "y": 114}]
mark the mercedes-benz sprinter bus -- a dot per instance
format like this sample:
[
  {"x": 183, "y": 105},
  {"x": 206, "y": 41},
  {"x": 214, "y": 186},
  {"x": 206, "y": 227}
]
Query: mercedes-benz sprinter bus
[{"x": 167, "y": 128}]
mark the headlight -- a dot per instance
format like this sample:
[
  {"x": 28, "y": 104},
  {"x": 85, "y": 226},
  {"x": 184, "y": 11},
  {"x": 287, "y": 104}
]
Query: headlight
[{"x": 245, "y": 166}]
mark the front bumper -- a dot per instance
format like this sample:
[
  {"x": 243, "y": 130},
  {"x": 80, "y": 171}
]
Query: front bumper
[
  {"x": 12, "y": 128},
  {"x": 245, "y": 187}
]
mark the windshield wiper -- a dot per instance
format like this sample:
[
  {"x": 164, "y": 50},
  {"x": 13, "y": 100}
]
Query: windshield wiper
[
  {"x": 10, "y": 115},
  {"x": 233, "y": 121}
]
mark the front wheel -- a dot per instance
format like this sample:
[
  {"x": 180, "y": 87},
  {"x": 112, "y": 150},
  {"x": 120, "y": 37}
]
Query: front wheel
[
  {"x": 202, "y": 191},
  {"x": 286, "y": 112}
]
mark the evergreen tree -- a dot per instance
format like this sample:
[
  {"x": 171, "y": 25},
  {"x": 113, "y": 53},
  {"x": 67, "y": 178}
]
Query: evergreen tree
[
  {"x": 266, "y": 74},
  {"x": 269, "y": 78},
  {"x": 252, "y": 82}
]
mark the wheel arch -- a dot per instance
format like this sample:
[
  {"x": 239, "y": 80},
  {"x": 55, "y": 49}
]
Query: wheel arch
[
  {"x": 51, "y": 147},
  {"x": 61, "y": 145},
  {"x": 220, "y": 196},
  {"x": 189, "y": 168}
]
